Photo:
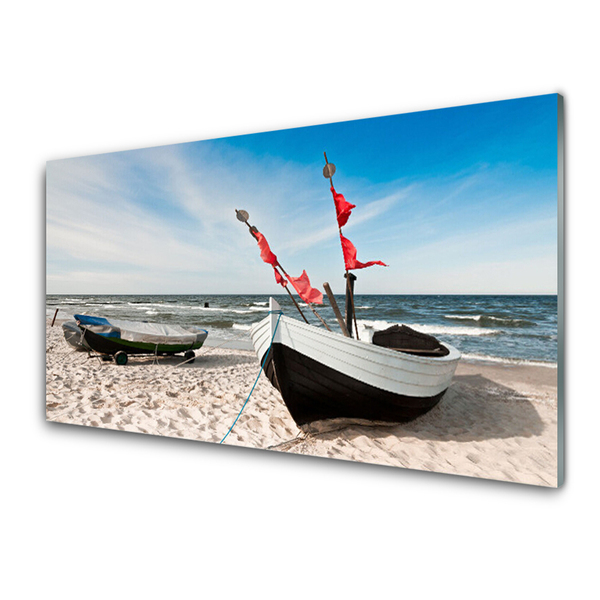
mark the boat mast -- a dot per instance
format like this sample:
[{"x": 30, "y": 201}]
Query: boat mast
[
  {"x": 328, "y": 172},
  {"x": 243, "y": 216}
]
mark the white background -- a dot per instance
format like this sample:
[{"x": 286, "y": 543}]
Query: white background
[{"x": 97, "y": 514}]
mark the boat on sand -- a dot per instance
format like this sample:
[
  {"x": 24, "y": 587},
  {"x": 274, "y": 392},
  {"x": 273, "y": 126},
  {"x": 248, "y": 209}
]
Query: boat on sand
[
  {"x": 397, "y": 376},
  {"x": 74, "y": 336},
  {"x": 324, "y": 375},
  {"x": 119, "y": 338}
]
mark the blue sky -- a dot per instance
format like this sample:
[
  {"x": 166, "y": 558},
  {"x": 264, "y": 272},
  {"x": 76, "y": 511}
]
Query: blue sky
[{"x": 456, "y": 200}]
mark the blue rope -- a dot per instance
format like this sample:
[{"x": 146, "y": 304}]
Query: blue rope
[{"x": 261, "y": 368}]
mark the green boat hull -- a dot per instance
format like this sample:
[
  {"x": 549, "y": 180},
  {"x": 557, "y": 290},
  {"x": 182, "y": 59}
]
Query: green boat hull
[{"x": 112, "y": 345}]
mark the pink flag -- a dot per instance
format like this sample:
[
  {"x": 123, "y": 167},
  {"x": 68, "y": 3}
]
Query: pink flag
[
  {"x": 265, "y": 251},
  {"x": 309, "y": 294},
  {"x": 279, "y": 278},
  {"x": 343, "y": 209},
  {"x": 350, "y": 256}
]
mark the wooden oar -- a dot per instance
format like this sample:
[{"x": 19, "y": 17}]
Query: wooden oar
[{"x": 336, "y": 310}]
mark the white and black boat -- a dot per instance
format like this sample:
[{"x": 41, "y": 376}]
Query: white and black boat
[
  {"x": 397, "y": 376},
  {"x": 325, "y": 375}
]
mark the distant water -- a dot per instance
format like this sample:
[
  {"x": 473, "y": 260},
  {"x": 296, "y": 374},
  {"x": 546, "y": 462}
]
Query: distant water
[{"x": 508, "y": 329}]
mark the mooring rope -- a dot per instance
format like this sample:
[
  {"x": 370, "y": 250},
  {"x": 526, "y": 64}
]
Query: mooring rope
[
  {"x": 287, "y": 444},
  {"x": 258, "y": 376}
]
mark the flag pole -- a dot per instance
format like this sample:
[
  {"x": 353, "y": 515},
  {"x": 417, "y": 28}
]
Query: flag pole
[
  {"x": 329, "y": 171},
  {"x": 240, "y": 216},
  {"x": 243, "y": 217}
]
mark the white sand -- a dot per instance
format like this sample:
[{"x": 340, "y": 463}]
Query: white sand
[{"x": 495, "y": 422}]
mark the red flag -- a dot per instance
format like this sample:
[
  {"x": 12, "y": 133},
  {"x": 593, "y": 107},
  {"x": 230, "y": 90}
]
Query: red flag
[
  {"x": 279, "y": 278},
  {"x": 343, "y": 209},
  {"x": 265, "y": 251},
  {"x": 350, "y": 256},
  {"x": 309, "y": 294}
]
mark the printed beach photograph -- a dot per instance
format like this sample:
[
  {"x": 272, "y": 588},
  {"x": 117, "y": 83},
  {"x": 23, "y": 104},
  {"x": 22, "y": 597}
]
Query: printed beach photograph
[{"x": 385, "y": 291}]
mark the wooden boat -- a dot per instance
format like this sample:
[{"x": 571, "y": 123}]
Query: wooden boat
[
  {"x": 74, "y": 336},
  {"x": 324, "y": 375},
  {"x": 120, "y": 338}
]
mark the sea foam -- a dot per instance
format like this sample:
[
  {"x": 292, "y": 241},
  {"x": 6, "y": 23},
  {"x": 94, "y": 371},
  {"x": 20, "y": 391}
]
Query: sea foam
[
  {"x": 485, "y": 320},
  {"x": 430, "y": 329},
  {"x": 508, "y": 361}
]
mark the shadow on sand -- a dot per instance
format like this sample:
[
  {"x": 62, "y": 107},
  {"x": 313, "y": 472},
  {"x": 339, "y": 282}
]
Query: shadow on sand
[
  {"x": 473, "y": 409},
  {"x": 201, "y": 361}
]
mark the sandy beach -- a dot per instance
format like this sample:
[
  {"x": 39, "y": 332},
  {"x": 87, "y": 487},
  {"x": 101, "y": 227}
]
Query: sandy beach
[{"x": 495, "y": 422}]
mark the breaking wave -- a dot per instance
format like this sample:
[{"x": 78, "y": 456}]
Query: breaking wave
[
  {"x": 508, "y": 361},
  {"x": 491, "y": 320},
  {"x": 237, "y": 311},
  {"x": 430, "y": 329}
]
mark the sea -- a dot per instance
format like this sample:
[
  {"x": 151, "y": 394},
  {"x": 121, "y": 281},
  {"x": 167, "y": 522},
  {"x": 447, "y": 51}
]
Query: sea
[{"x": 496, "y": 329}]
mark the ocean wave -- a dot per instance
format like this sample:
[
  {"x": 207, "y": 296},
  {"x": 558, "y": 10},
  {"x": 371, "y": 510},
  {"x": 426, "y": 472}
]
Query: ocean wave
[
  {"x": 99, "y": 304},
  {"x": 491, "y": 320},
  {"x": 141, "y": 305},
  {"x": 375, "y": 325},
  {"x": 218, "y": 324},
  {"x": 508, "y": 361},
  {"x": 429, "y": 329},
  {"x": 241, "y": 327},
  {"x": 179, "y": 308},
  {"x": 236, "y": 311}
]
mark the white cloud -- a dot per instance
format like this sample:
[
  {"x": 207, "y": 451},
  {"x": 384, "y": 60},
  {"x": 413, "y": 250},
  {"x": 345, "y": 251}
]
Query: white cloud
[
  {"x": 165, "y": 218},
  {"x": 360, "y": 215},
  {"x": 97, "y": 216}
]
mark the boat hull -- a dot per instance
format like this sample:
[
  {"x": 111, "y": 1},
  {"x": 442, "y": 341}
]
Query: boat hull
[
  {"x": 315, "y": 392},
  {"x": 74, "y": 336},
  {"x": 111, "y": 345},
  {"x": 323, "y": 375}
]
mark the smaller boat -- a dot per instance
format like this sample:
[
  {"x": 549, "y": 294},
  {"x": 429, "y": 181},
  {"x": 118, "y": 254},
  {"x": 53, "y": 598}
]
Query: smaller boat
[
  {"x": 120, "y": 338},
  {"x": 74, "y": 336}
]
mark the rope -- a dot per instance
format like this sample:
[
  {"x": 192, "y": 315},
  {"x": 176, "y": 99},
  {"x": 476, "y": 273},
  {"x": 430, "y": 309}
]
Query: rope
[
  {"x": 301, "y": 437},
  {"x": 258, "y": 376}
]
